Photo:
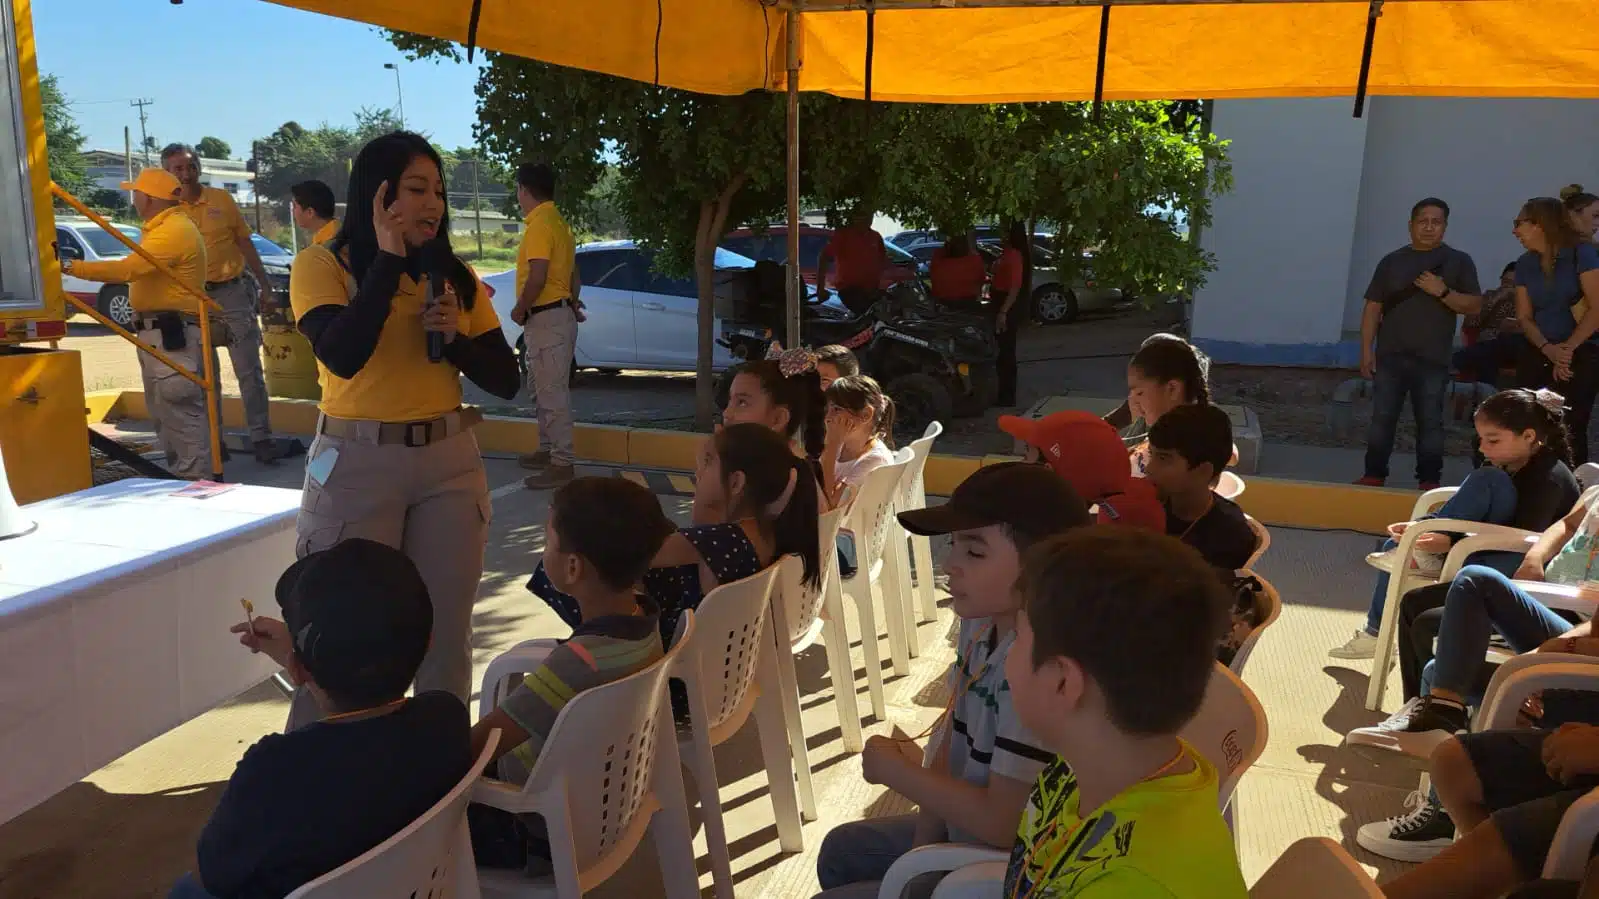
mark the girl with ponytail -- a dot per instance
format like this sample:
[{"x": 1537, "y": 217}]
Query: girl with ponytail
[
  {"x": 860, "y": 434},
  {"x": 782, "y": 392},
  {"x": 1527, "y": 484},
  {"x": 1166, "y": 372},
  {"x": 754, "y": 502}
]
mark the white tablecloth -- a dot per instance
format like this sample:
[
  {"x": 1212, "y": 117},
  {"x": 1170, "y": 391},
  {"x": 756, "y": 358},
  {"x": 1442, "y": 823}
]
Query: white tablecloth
[{"x": 114, "y": 618}]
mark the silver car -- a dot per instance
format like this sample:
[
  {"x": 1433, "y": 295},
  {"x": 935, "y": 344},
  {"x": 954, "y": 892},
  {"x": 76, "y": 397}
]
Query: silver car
[{"x": 637, "y": 318}]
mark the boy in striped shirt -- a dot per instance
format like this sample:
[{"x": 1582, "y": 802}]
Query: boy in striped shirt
[{"x": 602, "y": 534}]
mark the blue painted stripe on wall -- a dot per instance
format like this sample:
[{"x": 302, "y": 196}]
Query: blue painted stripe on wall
[{"x": 1343, "y": 354}]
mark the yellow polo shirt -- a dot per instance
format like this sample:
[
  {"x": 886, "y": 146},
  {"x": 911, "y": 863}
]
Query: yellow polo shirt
[
  {"x": 326, "y": 232},
  {"x": 398, "y": 383},
  {"x": 171, "y": 237},
  {"x": 547, "y": 237},
  {"x": 221, "y": 225}
]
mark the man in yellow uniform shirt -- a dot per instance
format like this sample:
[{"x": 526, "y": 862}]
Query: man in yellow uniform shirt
[
  {"x": 228, "y": 250},
  {"x": 165, "y": 316},
  {"x": 313, "y": 209},
  {"x": 547, "y": 309}
]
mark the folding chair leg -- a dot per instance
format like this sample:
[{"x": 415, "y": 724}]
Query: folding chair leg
[
  {"x": 702, "y": 761},
  {"x": 906, "y": 595},
  {"x": 835, "y": 636},
  {"x": 869, "y": 649},
  {"x": 886, "y": 591},
  {"x": 1387, "y": 638},
  {"x": 788, "y": 689},
  {"x": 922, "y": 552},
  {"x": 670, "y": 827},
  {"x": 775, "y": 755}
]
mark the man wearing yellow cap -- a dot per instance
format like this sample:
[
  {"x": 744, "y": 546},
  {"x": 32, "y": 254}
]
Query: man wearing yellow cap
[
  {"x": 228, "y": 251},
  {"x": 165, "y": 316}
]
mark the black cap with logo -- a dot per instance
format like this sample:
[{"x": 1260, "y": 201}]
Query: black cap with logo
[
  {"x": 358, "y": 614},
  {"x": 1031, "y": 500}
]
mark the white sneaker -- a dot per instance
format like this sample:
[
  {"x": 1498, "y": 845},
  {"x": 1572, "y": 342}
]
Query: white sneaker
[
  {"x": 1413, "y": 732},
  {"x": 1361, "y": 646},
  {"x": 1413, "y": 837},
  {"x": 1383, "y": 560}
]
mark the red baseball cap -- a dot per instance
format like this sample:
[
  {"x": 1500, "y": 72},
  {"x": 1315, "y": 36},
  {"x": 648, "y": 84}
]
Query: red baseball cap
[{"x": 1089, "y": 454}]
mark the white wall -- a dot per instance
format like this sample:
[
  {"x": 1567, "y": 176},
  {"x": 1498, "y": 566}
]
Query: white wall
[
  {"x": 1484, "y": 157},
  {"x": 1282, "y": 236}
]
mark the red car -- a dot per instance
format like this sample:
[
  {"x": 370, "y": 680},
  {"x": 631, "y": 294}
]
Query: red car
[{"x": 772, "y": 244}]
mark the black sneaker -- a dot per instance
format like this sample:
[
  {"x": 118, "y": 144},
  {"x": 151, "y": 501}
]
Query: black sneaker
[
  {"x": 1415, "y": 730},
  {"x": 1413, "y": 837}
]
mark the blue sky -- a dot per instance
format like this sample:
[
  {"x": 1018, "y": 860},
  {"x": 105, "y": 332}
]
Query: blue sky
[{"x": 235, "y": 69}]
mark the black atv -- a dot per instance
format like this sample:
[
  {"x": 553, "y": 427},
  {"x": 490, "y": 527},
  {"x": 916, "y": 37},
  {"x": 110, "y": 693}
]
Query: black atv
[{"x": 934, "y": 364}]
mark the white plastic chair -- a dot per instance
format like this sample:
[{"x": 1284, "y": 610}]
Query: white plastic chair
[
  {"x": 430, "y": 859},
  {"x": 1229, "y": 731},
  {"x": 1481, "y": 537},
  {"x": 1269, "y": 607},
  {"x": 1229, "y": 486},
  {"x": 876, "y": 580},
  {"x": 1587, "y": 475},
  {"x": 812, "y": 613},
  {"x": 607, "y": 773},
  {"x": 913, "y": 495},
  {"x": 1262, "y": 539},
  {"x": 1315, "y": 868},
  {"x": 727, "y": 676}
]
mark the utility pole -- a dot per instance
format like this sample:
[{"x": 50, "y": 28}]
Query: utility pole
[
  {"x": 127, "y": 158},
  {"x": 477, "y": 204},
  {"x": 255, "y": 185},
  {"x": 144, "y": 136}
]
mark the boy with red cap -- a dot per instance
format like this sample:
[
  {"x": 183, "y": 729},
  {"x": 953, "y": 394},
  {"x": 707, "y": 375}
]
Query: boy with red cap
[{"x": 1091, "y": 456}]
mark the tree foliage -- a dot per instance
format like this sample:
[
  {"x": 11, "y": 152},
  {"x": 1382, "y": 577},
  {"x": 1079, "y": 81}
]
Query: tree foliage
[
  {"x": 214, "y": 148},
  {"x": 63, "y": 141},
  {"x": 294, "y": 153}
]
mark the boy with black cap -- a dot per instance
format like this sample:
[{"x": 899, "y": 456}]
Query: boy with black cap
[
  {"x": 984, "y": 759},
  {"x": 356, "y": 622}
]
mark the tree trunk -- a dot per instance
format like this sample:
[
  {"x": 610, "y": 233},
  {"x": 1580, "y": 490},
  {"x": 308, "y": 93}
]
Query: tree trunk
[{"x": 712, "y": 225}]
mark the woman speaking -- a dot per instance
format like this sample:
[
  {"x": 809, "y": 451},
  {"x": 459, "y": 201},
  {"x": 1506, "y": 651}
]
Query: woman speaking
[{"x": 394, "y": 319}]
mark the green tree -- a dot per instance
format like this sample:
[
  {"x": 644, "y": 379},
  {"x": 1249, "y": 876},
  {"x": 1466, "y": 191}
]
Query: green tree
[
  {"x": 214, "y": 148},
  {"x": 63, "y": 140},
  {"x": 294, "y": 153}
]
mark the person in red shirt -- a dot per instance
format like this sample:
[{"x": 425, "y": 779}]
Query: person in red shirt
[
  {"x": 1010, "y": 275},
  {"x": 957, "y": 272},
  {"x": 1090, "y": 455},
  {"x": 861, "y": 258}
]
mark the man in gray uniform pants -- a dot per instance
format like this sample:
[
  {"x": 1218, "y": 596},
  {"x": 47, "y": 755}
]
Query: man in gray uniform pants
[{"x": 228, "y": 250}]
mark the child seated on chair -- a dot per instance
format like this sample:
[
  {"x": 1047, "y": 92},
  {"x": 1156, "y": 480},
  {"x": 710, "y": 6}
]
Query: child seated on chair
[
  {"x": 356, "y": 622},
  {"x": 984, "y": 759},
  {"x": 860, "y": 436},
  {"x": 835, "y": 361},
  {"x": 754, "y": 502},
  {"x": 1127, "y": 808},
  {"x": 1526, "y": 484},
  {"x": 1166, "y": 373},
  {"x": 600, "y": 538},
  {"x": 1189, "y": 447}
]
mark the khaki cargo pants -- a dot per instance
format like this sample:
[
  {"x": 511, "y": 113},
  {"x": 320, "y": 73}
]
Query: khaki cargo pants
[
  {"x": 551, "y": 338},
  {"x": 239, "y": 311},
  {"x": 430, "y": 501},
  {"x": 177, "y": 404}
]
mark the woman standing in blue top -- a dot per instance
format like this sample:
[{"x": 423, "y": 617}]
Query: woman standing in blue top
[{"x": 1557, "y": 302}]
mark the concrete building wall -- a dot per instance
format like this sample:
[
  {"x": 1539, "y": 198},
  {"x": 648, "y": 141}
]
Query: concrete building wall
[{"x": 1320, "y": 196}]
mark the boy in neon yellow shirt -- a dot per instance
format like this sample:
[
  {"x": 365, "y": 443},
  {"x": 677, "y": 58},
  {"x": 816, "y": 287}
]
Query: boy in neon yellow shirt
[{"x": 1114, "y": 648}]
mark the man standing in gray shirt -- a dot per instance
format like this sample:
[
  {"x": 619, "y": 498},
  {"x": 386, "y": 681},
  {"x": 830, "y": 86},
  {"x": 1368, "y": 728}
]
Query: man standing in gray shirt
[{"x": 1407, "y": 334}]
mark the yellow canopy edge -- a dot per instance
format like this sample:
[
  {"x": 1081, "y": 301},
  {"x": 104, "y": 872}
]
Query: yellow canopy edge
[{"x": 1496, "y": 48}]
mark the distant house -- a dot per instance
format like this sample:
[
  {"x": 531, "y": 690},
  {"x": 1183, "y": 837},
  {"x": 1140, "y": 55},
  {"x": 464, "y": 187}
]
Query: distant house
[{"x": 108, "y": 168}]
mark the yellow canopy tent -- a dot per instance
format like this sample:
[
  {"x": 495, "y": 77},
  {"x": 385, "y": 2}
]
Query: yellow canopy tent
[
  {"x": 1035, "y": 49},
  {"x": 986, "y": 51}
]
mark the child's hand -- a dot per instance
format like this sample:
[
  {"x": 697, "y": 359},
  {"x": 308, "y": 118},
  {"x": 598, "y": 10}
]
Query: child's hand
[
  {"x": 1398, "y": 528},
  {"x": 270, "y": 636},
  {"x": 1571, "y": 752},
  {"x": 883, "y": 758},
  {"x": 1434, "y": 542}
]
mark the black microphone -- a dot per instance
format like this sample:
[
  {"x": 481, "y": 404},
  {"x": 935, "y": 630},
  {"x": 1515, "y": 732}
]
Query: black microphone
[{"x": 435, "y": 264}]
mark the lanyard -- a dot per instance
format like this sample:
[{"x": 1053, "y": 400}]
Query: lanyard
[{"x": 956, "y": 696}]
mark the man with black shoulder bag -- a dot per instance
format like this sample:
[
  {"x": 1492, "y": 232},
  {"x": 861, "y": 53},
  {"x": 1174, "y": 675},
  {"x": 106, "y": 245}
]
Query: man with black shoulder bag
[
  {"x": 1407, "y": 335},
  {"x": 166, "y": 316}
]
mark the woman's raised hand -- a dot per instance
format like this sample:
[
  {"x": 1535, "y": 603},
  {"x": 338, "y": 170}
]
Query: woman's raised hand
[{"x": 389, "y": 225}]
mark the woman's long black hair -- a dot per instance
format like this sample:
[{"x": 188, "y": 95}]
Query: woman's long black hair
[
  {"x": 767, "y": 463},
  {"x": 385, "y": 159}
]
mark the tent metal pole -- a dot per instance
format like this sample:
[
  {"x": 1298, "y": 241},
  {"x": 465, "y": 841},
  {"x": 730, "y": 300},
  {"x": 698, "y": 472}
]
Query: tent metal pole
[{"x": 796, "y": 286}]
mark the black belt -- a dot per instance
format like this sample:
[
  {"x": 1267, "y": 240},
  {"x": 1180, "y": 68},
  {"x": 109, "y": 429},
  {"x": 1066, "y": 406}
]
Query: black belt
[
  {"x": 149, "y": 322},
  {"x": 213, "y": 285},
  {"x": 564, "y": 301}
]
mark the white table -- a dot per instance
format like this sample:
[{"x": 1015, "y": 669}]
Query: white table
[{"x": 114, "y": 618}]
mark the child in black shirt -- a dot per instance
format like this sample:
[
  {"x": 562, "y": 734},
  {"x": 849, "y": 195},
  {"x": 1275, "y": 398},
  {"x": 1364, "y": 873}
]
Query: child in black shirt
[
  {"x": 1189, "y": 448},
  {"x": 357, "y": 620}
]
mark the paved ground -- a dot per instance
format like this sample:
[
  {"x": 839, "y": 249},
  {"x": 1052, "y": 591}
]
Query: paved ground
[{"x": 129, "y": 829}]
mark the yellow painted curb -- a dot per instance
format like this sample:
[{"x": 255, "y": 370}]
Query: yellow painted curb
[{"x": 1284, "y": 503}]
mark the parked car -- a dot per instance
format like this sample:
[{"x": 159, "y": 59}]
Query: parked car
[
  {"x": 1052, "y": 302},
  {"x": 772, "y": 244},
  {"x": 637, "y": 318},
  {"x": 79, "y": 238},
  {"x": 276, "y": 260},
  {"x": 1042, "y": 240}
]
